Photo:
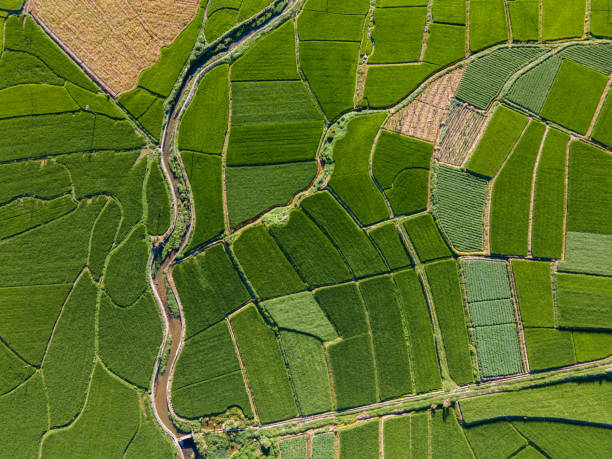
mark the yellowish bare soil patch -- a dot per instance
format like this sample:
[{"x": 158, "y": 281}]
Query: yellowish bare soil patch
[{"x": 116, "y": 39}]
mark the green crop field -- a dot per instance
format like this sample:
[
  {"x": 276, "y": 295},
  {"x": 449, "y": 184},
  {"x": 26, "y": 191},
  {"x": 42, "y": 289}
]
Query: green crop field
[
  {"x": 531, "y": 89},
  {"x": 534, "y": 290},
  {"x": 583, "y": 301},
  {"x": 389, "y": 240},
  {"x": 397, "y": 34},
  {"x": 548, "y": 348},
  {"x": 488, "y": 22},
  {"x": 445, "y": 44},
  {"x": 323, "y": 446},
  {"x": 344, "y": 307},
  {"x": 427, "y": 240},
  {"x": 525, "y": 18},
  {"x": 360, "y": 441},
  {"x": 562, "y": 21},
  {"x": 588, "y": 253},
  {"x": 396, "y": 434},
  {"x": 386, "y": 85},
  {"x": 293, "y": 447}
]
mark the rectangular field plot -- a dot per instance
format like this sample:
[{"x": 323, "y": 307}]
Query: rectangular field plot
[
  {"x": 449, "y": 11},
  {"x": 584, "y": 301},
  {"x": 534, "y": 290},
  {"x": 398, "y": 35},
  {"x": 498, "y": 349},
  {"x": 319, "y": 26},
  {"x": 485, "y": 280},
  {"x": 602, "y": 131},
  {"x": 293, "y": 447},
  {"x": 446, "y": 431},
  {"x": 396, "y": 435},
  {"x": 549, "y": 348},
  {"x": 427, "y": 240},
  {"x": 525, "y": 19},
  {"x": 591, "y": 345},
  {"x": 389, "y": 240},
  {"x": 343, "y": 305},
  {"x": 587, "y": 253},
  {"x": 488, "y": 25},
  {"x": 388, "y": 84},
  {"x": 492, "y": 312},
  {"x": 360, "y": 441},
  {"x": 323, "y": 446},
  {"x": 562, "y": 19}
]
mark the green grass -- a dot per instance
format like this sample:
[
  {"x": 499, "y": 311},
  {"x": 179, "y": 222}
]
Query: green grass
[
  {"x": 158, "y": 202},
  {"x": 343, "y": 305},
  {"x": 420, "y": 436},
  {"x": 485, "y": 280},
  {"x": 423, "y": 350},
  {"x": 32, "y": 177},
  {"x": 445, "y": 44},
  {"x": 492, "y": 312},
  {"x": 301, "y": 313},
  {"x": 330, "y": 68},
  {"x": 390, "y": 347},
  {"x": 499, "y": 350},
  {"x": 15, "y": 371},
  {"x": 205, "y": 178},
  {"x": 603, "y": 126},
  {"x": 458, "y": 202},
  {"x": 352, "y": 242},
  {"x": 266, "y": 267},
  {"x": 562, "y": 20},
  {"x": 361, "y": 441},
  {"x": 309, "y": 372},
  {"x": 323, "y": 446},
  {"x": 209, "y": 287},
  {"x": 125, "y": 277},
  {"x": 251, "y": 190},
  {"x": 389, "y": 240},
  {"x": 42, "y": 99},
  {"x": 525, "y": 19},
  {"x": 208, "y": 379},
  {"x": 26, "y": 213},
  {"x": 511, "y": 197},
  {"x": 549, "y": 198},
  {"x": 320, "y": 26},
  {"x": 264, "y": 366},
  {"x": 582, "y": 401},
  {"x": 488, "y": 25},
  {"x": 388, "y": 84},
  {"x": 497, "y": 439},
  {"x": 204, "y": 124},
  {"x": 353, "y": 371},
  {"x": 500, "y": 136},
  {"x": 565, "y": 439},
  {"x": 447, "y": 438},
  {"x": 531, "y": 89},
  {"x": 534, "y": 290},
  {"x": 588, "y": 253},
  {"x": 583, "y": 301},
  {"x": 426, "y": 238},
  {"x": 293, "y": 447},
  {"x": 398, "y": 35},
  {"x": 574, "y": 96},
  {"x": 590, "y": 189},
  {"x": 591, "y": 345},
  {"x": 272, "y": 58},
  {"x": 129, "y": 338},
  {"x": 69, "y": 361},
  {"x": 24, "y": 414},
  {"x": 548, "y": 348},
  {"x": 305, "y": 246},
  {"x": 106, "y": 426},
  {"x": 396, "y": 435},
  {"x": 443, "y": 280},
  {"x": 484, "y": 78}
]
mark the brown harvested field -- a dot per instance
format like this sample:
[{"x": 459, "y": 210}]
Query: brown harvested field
[
  {"x": 116, "y": 39},
  {"x": 462, "y": 129},
  {"x": 423, "y": 117}
]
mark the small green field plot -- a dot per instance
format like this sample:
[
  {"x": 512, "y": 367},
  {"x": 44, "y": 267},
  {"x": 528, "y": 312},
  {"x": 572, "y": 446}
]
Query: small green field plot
[
  {"x": 600, "y": 18},
  {"x": 330, "y": 68},
  {"x": 205, "y": 178},
  {"x": 484, "y": 78},
  {"x": 557, "y": 439},
  {"x": 488, "y": 24},
  {"x": 265, "y": 366},
  {"x": 511, "y": 198},
  {"x": 413, "y": 304},
  {"x": 485, "y": 280},
  {"x": 447, "y": 435},
  {"x": 562, "y": 20},
  {"x": 15, "y": 370},
  {"x": 445, "y": 44},
  {"x": 45, "y": 99},
  {"x": 499, "y": 350},
  {"x": 549, "y": 197},
  {"x": 443, "y": 279},
  {"x": 353, "y": 243},
  {"x": 525, "y": 19},
  {"x": 398, "y": 35},
  {"x": 583, "y": 301},
  {"x": 589, "y": 189},
  {"x": 529, "y": 452},
  {"x": 591, "y": 345},
  {"x": 458, "y": 202},
  {"x": 401, "y": 167},
  {"x": 252, "y": 190},
  {"x": 427, "y": 240},
  {"x": 388, "y": 84},
  {"x": 500, "y": 136},
  {"x": 549, "y": 348},
  {"x": 305, "y": 245},
  {"x": 351, "y": 179},
  {"x": 209, "y": 287},
  {"x": 390, "y": 349},
  {"x": 208, "y": 379},
  {"x": 389, "y": 240},
  {"x": 420, "y": 435},
  {"x": 301, "y": 313},
  {"x": 219, "y": 21},
  {"x": 320, "y": 26},
  {"x": 158, "y": 202},
  {"x": 534, "y": 291},
  {"x": 204, "y": 124},
  {"x": 293, "y": 447},
  {"x": 531, "y": 88},
  {"x": 361, "y": 440},
  {"x": 449, "y": 11},
  {"x": 603, "y": 126},
  {"x": 588, "y": 253},
  {"x": 309, "y": 372},
  {"x": 396, "y": 435},
  {"x": 574, "y": 96},
  {"x": 44, "y": 179},
  {"x": 354, "y": 374},
  {"x": 323, "y": 446},
  {"x": 344, "y": 307},
  {"x": 575, "y": 400},
  {"x": 499, "y": 436},
  {"x": 492, "y": 312}
]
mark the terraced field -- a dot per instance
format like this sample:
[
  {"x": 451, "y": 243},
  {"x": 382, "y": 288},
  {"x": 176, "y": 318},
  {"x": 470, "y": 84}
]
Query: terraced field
[{"x": 305, "y": 229}]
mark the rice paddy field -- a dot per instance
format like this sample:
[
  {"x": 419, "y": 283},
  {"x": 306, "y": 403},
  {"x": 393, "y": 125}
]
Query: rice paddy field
[{"x": 221, "y": 236}]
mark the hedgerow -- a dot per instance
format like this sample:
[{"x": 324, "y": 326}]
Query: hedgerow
[
  {"x": 426, "y": 238},
  {"x": 343, "y": 305},
  {"x": 389, "y": 240}
]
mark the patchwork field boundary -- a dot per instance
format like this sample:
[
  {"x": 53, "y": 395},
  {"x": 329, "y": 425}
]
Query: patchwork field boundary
[
  {"x": 604, "y": 95},
  {"x": 533, "y": 186}
]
